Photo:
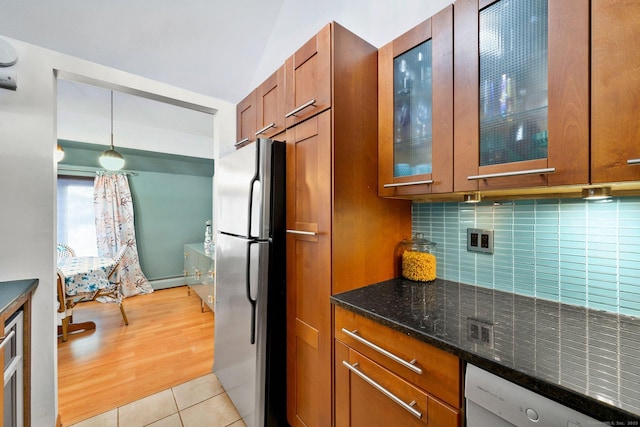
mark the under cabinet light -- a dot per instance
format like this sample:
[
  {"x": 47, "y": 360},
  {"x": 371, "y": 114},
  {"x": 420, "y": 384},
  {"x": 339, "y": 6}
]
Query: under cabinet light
[
  {"x": 472, "y": 197},
  {"x": 596, "y": 193}
]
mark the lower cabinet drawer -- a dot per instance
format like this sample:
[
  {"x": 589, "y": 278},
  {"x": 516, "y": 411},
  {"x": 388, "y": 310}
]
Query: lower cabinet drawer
[
  {"x": 369, "y": 395},
  {"x": 429, "y": 368}
]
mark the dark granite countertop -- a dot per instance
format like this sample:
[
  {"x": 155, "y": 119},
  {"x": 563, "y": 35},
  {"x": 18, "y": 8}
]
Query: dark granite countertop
[
  {"x": 585, "y": 359},
  {"x": 14, "y": 290}
]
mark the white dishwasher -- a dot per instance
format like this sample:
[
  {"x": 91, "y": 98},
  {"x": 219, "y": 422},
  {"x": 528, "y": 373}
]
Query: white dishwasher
[{"x": 495, "y": 402}]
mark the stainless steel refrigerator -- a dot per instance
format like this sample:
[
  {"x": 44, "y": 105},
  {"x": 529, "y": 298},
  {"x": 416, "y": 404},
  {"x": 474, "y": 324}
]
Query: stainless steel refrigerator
[{"x": 250, "y": 316}]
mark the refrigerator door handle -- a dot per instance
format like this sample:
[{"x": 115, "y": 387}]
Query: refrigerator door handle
[
  {"x": 252, "y": 184},
  {"x": 252, "y": 301}
]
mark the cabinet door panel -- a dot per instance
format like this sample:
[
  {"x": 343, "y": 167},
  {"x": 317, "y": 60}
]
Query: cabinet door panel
[
  {"x": 569, "y": 91},
  {"x": 308, "y": 78},
  {"x": 309, "y": 272},
  {"x": 367, "y": 394},
  {"x": 615, "y": 134},
  {"x": 370, "y": 407},
  {"x": 270, "y": 105},
  {"x": 246, "y": 119}
]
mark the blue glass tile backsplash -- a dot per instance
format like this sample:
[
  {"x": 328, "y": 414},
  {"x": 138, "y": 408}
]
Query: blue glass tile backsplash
[{"x": 568, "y": 250}]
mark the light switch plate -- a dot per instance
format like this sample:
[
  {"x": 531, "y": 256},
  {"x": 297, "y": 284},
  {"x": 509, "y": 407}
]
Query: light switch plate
[{"x": 480, "y": 240}]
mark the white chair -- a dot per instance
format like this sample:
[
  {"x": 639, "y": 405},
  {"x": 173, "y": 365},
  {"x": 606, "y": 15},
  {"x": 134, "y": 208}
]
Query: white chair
[{"x": 65, "y": 251}]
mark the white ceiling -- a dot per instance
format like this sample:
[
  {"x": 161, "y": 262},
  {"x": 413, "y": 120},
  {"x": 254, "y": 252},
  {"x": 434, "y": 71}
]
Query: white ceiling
[
  {"x": 198, "y": 45},
  {"x": 221, "y": 49}
]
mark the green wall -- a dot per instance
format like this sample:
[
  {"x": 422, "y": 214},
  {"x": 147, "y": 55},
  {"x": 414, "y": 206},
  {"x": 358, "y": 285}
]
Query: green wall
[
  {"x": 172, "y": 195},
  {"x": 170, "y": 210}
]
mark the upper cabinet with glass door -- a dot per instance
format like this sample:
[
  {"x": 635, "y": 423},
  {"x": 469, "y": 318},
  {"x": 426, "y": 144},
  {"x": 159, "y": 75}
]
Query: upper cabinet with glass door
[
  {"x": 415, "y": 110},
  {"x": 521, "y": 93}
]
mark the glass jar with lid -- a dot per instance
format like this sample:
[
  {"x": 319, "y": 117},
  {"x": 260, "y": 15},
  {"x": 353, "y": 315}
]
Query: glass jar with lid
[{"x": 419, "y": 259}]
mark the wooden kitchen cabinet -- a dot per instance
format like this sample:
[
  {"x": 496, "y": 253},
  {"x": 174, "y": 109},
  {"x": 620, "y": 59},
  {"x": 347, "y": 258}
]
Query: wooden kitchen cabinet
[
  {"x": 615, "y": 95},
  {"x": 419, "y": 387},
  {"x": 340, "y": 234},
  {"x": 309, "y": 272},
  {"x": 261, "y": 113},
  {"x": 270, "y": 105},
  {"x": 15, "y": 352},
  {"x": 521, "y": 94},
  {"x": 308, "y": 74},
  {"x": 246, "y": 120},
  {"x": 415, "y": 110}
]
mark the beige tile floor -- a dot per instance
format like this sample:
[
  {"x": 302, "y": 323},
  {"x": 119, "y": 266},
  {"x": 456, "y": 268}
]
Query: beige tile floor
[{"x": 198, "y": 403}]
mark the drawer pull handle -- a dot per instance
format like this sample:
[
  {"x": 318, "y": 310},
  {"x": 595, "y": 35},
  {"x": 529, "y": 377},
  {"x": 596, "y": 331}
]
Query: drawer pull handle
[
  {"x": 266, "y": 128},
  {"x": 6, "y": 339},
  {"x": 516, "y": 173},
  {"x": 408, "y": 406},
  {"x": 410, "y": 365},
  {"x": 402, "y": 184},
  {"x": 300, "y": 108},
  {"x": 305, "y": 233},
  {"x": 632, "y": 162},
  {"x": 242, "y": 141}
]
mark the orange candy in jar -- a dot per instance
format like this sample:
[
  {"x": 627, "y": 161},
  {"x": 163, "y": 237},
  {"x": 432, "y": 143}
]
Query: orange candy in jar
[{"x": 418, "y": 259}]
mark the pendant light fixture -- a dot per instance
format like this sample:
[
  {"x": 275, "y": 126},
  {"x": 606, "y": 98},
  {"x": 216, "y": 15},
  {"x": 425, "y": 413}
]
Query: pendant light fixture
[
  {"x": 59, "y": 153},
  {"x": 111, "y": 159}
]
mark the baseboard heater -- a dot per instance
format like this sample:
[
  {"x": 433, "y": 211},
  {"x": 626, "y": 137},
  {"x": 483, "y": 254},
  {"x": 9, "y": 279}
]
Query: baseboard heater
[{"x": 167, "y": 282}]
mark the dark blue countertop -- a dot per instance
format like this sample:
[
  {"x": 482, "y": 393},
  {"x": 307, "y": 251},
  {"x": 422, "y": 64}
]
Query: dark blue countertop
[
  {"x": 586, "y": 359},
  {"x": 13, "y": 290}
]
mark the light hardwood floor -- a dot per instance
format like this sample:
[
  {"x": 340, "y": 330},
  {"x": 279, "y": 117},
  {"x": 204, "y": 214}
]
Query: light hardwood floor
[{"x": 168, "y": 341}]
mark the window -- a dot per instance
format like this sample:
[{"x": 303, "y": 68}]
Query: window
[{"x": 76, "y": 214}]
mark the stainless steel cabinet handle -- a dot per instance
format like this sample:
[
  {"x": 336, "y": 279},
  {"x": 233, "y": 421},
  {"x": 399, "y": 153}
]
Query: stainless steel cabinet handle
[
  {"x": 242, "y": 141},
  {"x": 300, "y": 108},
  {"x": 402, "y": 184},
  {"x": 266, "y": 128},
  {"x": 632, "y": 162},
  {"x": 410, "y": 365},
  {"x": 408, "y": 406},
  {"x": 516, "y": 173},
  {"x": 6, "y": 339},
  {"x": 305, "y": 233}
]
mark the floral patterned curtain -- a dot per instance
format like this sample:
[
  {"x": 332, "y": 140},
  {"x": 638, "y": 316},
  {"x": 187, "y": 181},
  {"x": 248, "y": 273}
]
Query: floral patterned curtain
[{"x": 114, "y": 228}]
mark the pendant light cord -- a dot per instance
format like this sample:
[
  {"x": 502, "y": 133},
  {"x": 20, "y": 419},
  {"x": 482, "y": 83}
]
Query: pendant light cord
[{"x": 112, "y": 120}]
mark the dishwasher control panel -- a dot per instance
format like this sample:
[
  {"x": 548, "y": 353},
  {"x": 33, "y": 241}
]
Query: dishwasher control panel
[{"x": 494, "y": 401}]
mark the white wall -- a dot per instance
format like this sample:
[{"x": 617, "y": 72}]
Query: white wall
[
  {"x": 376, "y": 21},
  {"x": 27, "y": 190}
]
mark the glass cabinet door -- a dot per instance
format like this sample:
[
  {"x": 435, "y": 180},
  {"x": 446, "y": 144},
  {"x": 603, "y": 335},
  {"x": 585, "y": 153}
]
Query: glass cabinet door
[
  {"x": 415, "y": 110},
  {"x": 513, "y": 81},
  {"x": 521, "y": 94},
  {"x": 412, "y": 118}
]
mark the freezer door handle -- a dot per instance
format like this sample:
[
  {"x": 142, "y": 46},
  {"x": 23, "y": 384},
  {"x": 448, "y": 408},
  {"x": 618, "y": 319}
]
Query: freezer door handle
[{"x": 248, "y": 290}]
